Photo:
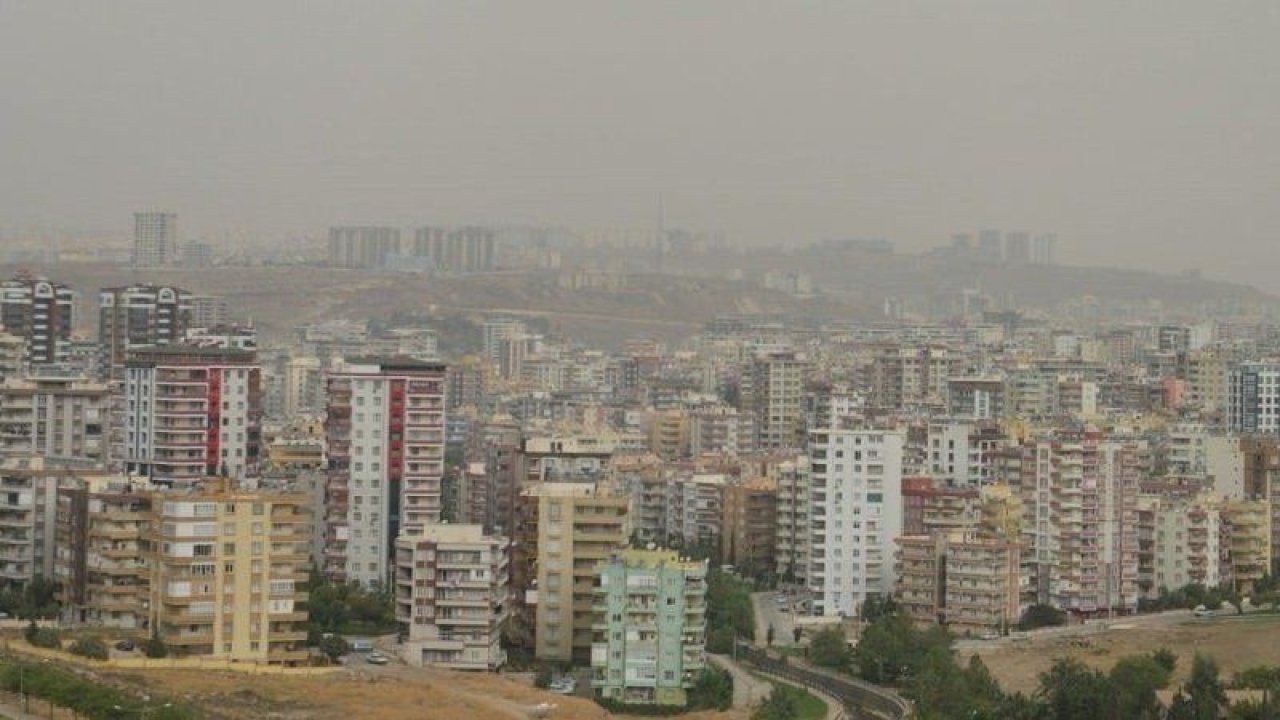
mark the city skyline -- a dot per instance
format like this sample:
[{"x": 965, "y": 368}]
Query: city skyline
[{"x": 1124, "y": 131}]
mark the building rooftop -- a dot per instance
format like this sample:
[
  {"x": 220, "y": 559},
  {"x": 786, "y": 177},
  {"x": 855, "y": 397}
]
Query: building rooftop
[{"x": 657, "y": 558}]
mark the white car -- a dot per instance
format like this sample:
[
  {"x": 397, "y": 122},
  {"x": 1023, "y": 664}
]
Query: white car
[
  {"x": 376, "y": 658},
  {"x": 563, "y": 686}
]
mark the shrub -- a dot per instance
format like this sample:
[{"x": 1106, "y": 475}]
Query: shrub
[
  {"x": 1038, "y": 616},
  {"x": 334, "y": 647},
  {"x": 544, "y": 676},
  {"x": 154, "y": 647},
  {"x": 90, "y": 647},
  {"x": 45, "y": 637}
]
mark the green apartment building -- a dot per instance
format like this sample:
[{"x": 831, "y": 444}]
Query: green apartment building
[{"x": 649, "y": 636}]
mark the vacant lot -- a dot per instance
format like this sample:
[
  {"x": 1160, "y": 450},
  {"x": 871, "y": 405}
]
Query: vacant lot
[
  {"x": 394, "y": 693},
  {"x": 1236, "y": 643}
]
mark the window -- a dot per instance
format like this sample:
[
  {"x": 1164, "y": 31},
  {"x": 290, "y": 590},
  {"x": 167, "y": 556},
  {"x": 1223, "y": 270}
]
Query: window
[{"x": 228, "y": 548}]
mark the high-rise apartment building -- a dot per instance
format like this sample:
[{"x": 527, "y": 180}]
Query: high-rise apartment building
[
  {"x": 303, "y": 386},
  {"x": 794, "y": 532},
  {"x": 362, "y": 247},
  {"x": 13, "y": 355},
  {"x": 905, "y": 375},
  {"x": 28, "y": 509},
  {"x": 970, "y": 584},
  {"x": 1081, "y": 493},
  {"x": 773, "y": 395},
  {"x": 856, "y": 488},
  {"x": 155, "y": 239},
  {"x": 55, "y": 413},
  {"x": 1043, "y": 248},
  {"x": 40, "y": 312},
  {"x": 456, "y": 250},
  {"x": 209, "y": 311},
  {"x": 192, "y": 412},
  {"x": 101, "y": 564},
  {"x": 385, "y": 427},
  {"x": 748, "y": 528},
  {"x": 565, "y": 532},
  {"x": 990, "y": 248},
  {"x": 1017, "y": 248},
  {"x": 1253, "y": 398},
  {"x": 227, "y": 573},
  {"x": 138, "y": 316},
  {"x": 452, "y": 596},
  {"x": 650, "y": 639},
  {"x": 977, "y": 398}
]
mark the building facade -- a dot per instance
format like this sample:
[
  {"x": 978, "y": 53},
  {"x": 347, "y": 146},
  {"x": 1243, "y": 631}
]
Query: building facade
[
  {"x": 55, "y": 413},
  {"x": 192, "y": 412},
  {"x": 649, "y": 637},
  {"x": 566, "y": 531},
  {"x": 856, "y": 488},
  {"x": 138, "y": 316},
  {"x": 385, "y": 431},
  {"x": 453, "y": 596},
  {"x": 155, "y": 239},
  {"x": 42, "y": 313}
]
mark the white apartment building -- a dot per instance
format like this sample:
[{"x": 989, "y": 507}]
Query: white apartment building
[
  {"x": 192, "y": 412},
  {"x": 693, "y": 506},
  {"x": 452, "y": 596},
  {"x": 303, "y": 386},
  {"x": 959, "y": 452},
  {"x": 55, "y": 413},
  {"x": 856, "y": 487},
  {"x": 385, "y": 431}
]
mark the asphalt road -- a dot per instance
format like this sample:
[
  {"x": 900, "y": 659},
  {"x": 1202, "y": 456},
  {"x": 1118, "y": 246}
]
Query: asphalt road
[{"x": 781, "y": 617}]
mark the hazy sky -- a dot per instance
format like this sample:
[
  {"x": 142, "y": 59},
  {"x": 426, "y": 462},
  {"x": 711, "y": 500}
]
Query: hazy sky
[{"x": 1143, "y": 133}]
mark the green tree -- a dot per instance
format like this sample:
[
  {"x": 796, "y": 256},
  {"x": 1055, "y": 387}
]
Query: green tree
[
  {"x": 1204, "y": 690},
  {"x": 780, "y": 705},
  {"x": 1166, "y": 659},
  {"x": 828, "y": 648},
  {"x": 334, "y": 646},
  {"x": 1070, "y": 690},
  {"x": 1135, "y": 680},
  {"x": 712, "y": 690}
]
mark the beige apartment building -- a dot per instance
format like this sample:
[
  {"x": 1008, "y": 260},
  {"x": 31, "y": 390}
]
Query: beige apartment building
[
  {"x": 452, "y": 596},
  {"x": 226, "y": 566},
  {"x": 101, "y": 563},
  {"x": 214, "y": 571},
  {"x": 566, "y": 531},
  {"x": 970, "y": 584}
]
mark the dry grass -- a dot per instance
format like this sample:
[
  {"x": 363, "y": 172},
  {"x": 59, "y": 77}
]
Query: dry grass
[
  {"x": 1234, "y": 643},
  {"x": 410, "y": 694}
]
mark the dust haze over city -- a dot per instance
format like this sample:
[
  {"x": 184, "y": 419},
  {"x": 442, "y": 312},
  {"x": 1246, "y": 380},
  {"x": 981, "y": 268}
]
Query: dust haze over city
[{"x": 737, "y": 360}]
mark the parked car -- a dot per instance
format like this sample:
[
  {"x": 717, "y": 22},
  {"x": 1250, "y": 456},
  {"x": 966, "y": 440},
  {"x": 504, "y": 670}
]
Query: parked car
[
  {"x": 563, "y": 686},
  {"x": 376, "y": 658},
  {"x": 781, "y": 599},
  {"x": 1202, "y": 611},
  {"x": 126, "y": 645}
]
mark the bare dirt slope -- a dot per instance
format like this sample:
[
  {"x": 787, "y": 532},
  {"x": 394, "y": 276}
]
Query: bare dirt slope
[
  {"x": 393, "y": 693},
  {"x": 1234, "y": 643}
]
